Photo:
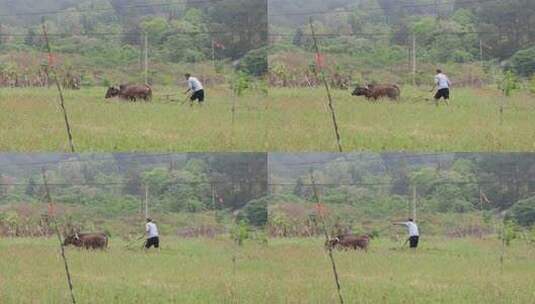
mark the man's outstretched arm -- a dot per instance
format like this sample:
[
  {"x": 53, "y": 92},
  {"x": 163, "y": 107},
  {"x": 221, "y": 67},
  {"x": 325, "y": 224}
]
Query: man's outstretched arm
[
  {"x": 190, "y": 88},
  {"x": 435, "y": 85}
]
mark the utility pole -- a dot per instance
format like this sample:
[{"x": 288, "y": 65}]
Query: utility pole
[
  {"x": 146, "y": 58},
  {"x": 480, "y": 197},
  {"x": 409, "y": 58},
  {"x": 213, "y": 195},
  {"x": 414, "y": 203},
  {"x": 414, "y": 59},
  {"x": 481, "y": 51},
  {"x": 146, "y": 201},
  {"x": 213, "y": 53}
]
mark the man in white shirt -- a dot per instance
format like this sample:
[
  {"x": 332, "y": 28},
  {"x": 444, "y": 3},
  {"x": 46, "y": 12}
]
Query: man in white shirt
[
  {"x": 153, "y": 237},
  {"x": 194, "y": 86},
  {"x": 414, "y": 234},
  {"x": 443, "y": 83}
]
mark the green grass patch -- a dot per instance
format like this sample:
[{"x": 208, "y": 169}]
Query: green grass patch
[
  {"x": 288, "y": 120},
  {"x": 440, "y": 271},
  {"x": 284, "y": 271},
  {"x": 184, "y": 271}
]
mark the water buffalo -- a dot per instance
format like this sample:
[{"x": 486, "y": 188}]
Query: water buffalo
[
  {"x": 87, "y": 240},
  {"x": 349, "y": 241},
  {"x": 375, "y": 92},
  {"x": 130, "y": 92}
]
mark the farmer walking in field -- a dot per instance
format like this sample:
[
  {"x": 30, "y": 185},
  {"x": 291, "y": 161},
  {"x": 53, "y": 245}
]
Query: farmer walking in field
[
  {"x": 194, "y": 86},
  {"x": 443, "y": 83},
  {"x": 414, "y": 234},
  {"x": 153, "y": 237}
]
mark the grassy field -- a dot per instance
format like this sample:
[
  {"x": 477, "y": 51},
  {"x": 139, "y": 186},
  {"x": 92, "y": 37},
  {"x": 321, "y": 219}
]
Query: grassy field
[
  {"x": 185, "y": 271},
  {"x": 288, "y": 120},
  {"x": 285, "y": 271},
  {"x": 449, "y": 271}
]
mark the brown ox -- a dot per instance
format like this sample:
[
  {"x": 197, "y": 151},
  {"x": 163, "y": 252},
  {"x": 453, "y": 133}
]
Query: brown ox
[
  {"x": 349, "y": 241},
  {"x": 375, "y": 92},
  {"x": 87, "y": 240},
  {"x": 130, "y": 92}
]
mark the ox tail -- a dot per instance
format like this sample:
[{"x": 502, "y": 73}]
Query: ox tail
[
  {"x": 398, "y": 89},
  {"x": 149, "y": 92},
  {"x": 106, "y": 235}
]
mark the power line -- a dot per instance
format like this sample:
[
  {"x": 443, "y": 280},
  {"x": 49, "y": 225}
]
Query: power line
[
  {"x": 114, "y": 157},
  {"x": 370, "y": 184},
  {"x": 391, "y": 183},
  {"x": 356, "y": 156},
  {"x": 331, "y": 35},
  {"x": 448, "y": 3},
  {"x": 133, "y": 156},
  {"x": 327, "y": 35},
  {"x": 62, "y": 35},
  {"x": 162, "y": 4},
  {"x": 380, "y": 157},
  {"x": 126, "y": 183}
]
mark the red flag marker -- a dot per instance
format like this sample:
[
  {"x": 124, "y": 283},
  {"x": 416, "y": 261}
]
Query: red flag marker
[{"x": 320, "y": 60}]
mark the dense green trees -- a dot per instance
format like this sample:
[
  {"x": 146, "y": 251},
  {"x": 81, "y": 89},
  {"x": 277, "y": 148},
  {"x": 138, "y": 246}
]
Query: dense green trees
[
  {"x": 383, "y": 186},
  {"x": 118, "y": 187},
  {"x": 377, "y": 34},
  {"x": 110, "y": 33},
  {"x": 524, "y": 212},
  {"x": 509, "y": 25},
  {"x": 523, "y": 62},
  {"x": 256, "y": 212}
]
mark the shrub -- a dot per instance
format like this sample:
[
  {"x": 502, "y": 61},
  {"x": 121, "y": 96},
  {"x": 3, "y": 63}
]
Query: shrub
[
  {"x": 523, "y": 212},
  {"x": 532, "y": 85},
  {"x": 105, "y": 82},
  {"x": 255, "y": 212},
  {"x": 508, "y": 83},
  {"x": 510, "y": 232},
  {"x": 523, "y": 62},
  {"x": 254, "y": 62},
  {"x": 240, "y": 83},
  {"x": 240, "y": 232}
]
